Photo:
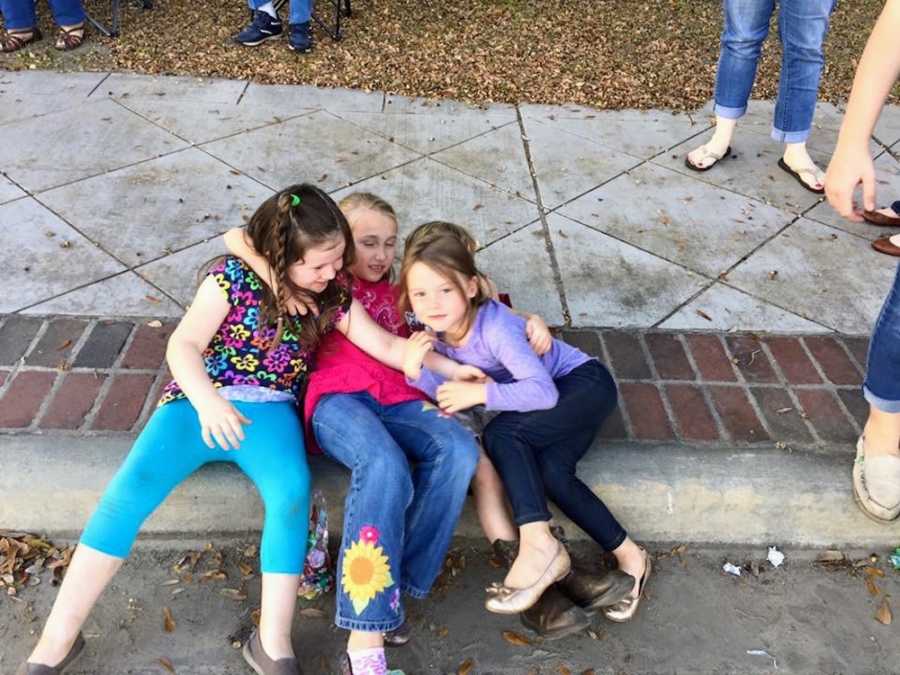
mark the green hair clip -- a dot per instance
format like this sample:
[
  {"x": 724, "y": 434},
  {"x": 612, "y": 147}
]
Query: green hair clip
[{"x": 295, "y": 200}]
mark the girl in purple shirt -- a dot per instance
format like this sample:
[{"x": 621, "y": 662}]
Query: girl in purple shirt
[{"x": 548, "y": 411}]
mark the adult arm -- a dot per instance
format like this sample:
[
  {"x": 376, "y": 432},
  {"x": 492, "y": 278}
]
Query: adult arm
[{"x": 878, "y": 70}]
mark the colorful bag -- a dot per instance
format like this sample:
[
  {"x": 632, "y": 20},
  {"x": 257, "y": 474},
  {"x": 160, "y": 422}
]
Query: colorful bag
[{"x": 318, "y": 574}]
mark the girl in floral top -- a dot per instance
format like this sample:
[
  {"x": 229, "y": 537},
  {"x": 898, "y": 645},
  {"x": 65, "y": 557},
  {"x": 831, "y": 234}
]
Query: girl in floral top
[{"x": 238, "y": 360}]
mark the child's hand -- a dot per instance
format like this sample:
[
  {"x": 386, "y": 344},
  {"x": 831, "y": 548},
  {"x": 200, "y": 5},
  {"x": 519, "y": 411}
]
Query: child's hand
[
  {"x": 538, "y": 335},
  {"x": 453, "y": 397},
  {"x": 849, "y": 167},
  {"x": 417, "y": 346},
  {"x": 221, "y": 421},
  {"x": 301, "y": 305},
  {"x": 466, "y": 373}
]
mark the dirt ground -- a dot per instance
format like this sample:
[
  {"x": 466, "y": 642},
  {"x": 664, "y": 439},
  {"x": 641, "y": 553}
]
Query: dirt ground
[
  {"x": 804, "y": 617},
  {"x": 603, "y": 53}
]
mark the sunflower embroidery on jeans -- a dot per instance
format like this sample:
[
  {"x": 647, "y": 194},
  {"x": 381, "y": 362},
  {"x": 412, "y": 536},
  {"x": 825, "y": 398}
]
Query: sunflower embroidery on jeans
[{"x": 366, "y": 569}]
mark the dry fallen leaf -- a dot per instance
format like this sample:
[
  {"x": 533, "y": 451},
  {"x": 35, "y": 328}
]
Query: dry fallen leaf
[
  {"x": 246, "y": 570},
  {"x": 168, "y": 620},
  {"x": 165, "y": 663},
  {"x": 884, "y": 614},
  {"x": 873, "y": 572},
  {"x": 156, "y": 323},
  {"x": 313, "y": 612},
  {"x": 465, "y": 667},
  {"x": 67, "y": 343},
  {"x": 516, "y": 639},
  {"x": 703, "y": 315},
  {"x": 233, "y": 593},
  {"x": 563, "y": 670},
  {"x": 871, "y": 587}
]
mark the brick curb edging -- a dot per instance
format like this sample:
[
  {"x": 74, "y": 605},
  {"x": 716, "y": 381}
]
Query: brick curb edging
[{"x": 87, "y": 376}]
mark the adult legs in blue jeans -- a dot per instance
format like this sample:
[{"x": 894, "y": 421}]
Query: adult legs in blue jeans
[
  {"x": 20, "y": 20},
  {"x": 536, "y": 454},
  {"x": 398, "y": 521},
  {"x": 876, "y": 472},
  {"x": 802, "y": 26}
]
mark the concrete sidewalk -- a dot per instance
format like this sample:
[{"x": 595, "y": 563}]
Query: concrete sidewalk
[
  {"x": 114, "y": 184},
  {"x": 117, "y": 186}
]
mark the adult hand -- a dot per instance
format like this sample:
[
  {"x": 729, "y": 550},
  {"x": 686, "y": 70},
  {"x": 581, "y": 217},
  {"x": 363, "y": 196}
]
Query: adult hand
[
  {"x": 538, "y": 335},
  {"x": 417, "y": 346},
  {"x": 221, "y": 421},
  {"x": 850, "y": 166},
  {"x": 297, "y": 304},
  {"x": 453, "y": 396}
]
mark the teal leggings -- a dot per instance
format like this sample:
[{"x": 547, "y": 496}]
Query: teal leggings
[{"x": 170, "y": 448}]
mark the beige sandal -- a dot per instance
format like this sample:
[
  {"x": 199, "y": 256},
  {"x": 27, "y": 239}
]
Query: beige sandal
[
  {"x": 627, "y": 608},
  {"x": 876, "y": 485},
  {"x": 13, "y": 40},
  {"x": 706, "y": 153}
]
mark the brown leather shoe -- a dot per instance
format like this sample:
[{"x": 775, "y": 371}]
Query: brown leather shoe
[
  {"x": 592, "y": 591},
  {"x": 399, "y": 636},
  {"x": 881, "y": 219},
  {"x": 256, "y": 658},
  {"x": 554, "y": 616},
  {"x": 41, "y": 669},
  {"x": 504, "y": 552},
  {"x": 888, "y": 245}
]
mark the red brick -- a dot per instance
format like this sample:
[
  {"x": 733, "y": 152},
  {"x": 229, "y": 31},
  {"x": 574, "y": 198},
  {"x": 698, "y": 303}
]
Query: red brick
[
  {"x": 751, "y": 360},
  {"x": 614, "y": 426},
  {"x": 645, "y": 409},
  {"x": 859, "y": 348},
  {"x": 73, "y": 400},
  {"x": 856, "y": 404},
  {"x": 712, "y": 361},
  {"x": 694, "y": 418},
  {"x": 668, "y": 355},
  {"x": 123, "y": 403},
  {"x": 822, "y": 409},
  {"x": 797, "y": 367},
  {"x": 832, "y": 358},
  {"x": 737, "y": 414},
  {"x": 23, "y": 399},
  {"x": 626, "y": 356},
  {"x": 782, "y": 415},
  {"x": 148, "y": 349}
]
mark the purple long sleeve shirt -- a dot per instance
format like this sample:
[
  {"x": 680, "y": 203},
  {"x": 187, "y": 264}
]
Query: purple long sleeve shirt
[{"x": 498, "y": 345}]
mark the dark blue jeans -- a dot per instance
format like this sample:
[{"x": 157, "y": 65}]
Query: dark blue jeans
[
  {"x": 21, "y": 14},
  {"x": 398, "y": 519},
  {"x": 536, "y": 454},
  {"x": 882, "y": 386}
]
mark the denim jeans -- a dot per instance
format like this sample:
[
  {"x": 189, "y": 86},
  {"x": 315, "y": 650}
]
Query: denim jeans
[
  {"x": 21, "y": 13},
  {"x": 398, "y": 520},
  {"x": 882, "y": 385},
  {"x": 536, "y": 454},
  {"x": 299, "y": 12},
  {"x": 802, "y": 25}
]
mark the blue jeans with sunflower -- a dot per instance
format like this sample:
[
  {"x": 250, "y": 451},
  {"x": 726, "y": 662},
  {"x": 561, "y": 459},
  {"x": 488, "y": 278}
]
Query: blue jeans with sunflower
[{"x": 411, "y": 467}]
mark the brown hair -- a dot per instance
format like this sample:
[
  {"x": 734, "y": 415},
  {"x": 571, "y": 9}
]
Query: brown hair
[
  {"x": 283, "y": 229},
  {"x": 438, "y": 227},
  {"x": 450, "y": 255}
]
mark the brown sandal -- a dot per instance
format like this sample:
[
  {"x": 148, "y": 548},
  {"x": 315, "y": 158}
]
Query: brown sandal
[
  {"x": 12, "y": 40},
  {"x": 70, "y": 38}
]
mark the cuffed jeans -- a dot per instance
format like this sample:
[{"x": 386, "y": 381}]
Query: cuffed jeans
[
  {"x": 536, "y": 454},
  {"x": 299, "y": 11},
  {"x": 802, "y": 26},
  {"x": 18, "y": 14},
  {"x": 398, "y": 521},
  {"x": 882, "y": 385}
]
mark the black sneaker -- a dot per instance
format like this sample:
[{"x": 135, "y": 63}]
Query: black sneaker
[
  {"x": 300, "y": 38},
  {"x": 262, "y": 28}
]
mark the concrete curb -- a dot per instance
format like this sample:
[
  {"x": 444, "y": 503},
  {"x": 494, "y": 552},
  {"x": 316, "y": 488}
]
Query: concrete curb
[{"x": 662, "y": 493}]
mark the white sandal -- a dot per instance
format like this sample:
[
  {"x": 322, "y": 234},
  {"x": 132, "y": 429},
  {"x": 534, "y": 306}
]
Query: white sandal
[
  {"x": 706, "y": 153},
  {"x": 883, "y": 480}
]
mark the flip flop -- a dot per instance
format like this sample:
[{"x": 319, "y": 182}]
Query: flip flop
[
  {"x": 706, "y": 154},
  {"x": 796, "y": 175},
  {"x": 888, "y": 245}
]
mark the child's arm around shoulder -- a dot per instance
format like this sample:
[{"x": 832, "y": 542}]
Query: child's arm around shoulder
[
  {"x": 218, "y": 418},
  {"x": 237, "y": 245},
  {"x": 532, "y": 387}
]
